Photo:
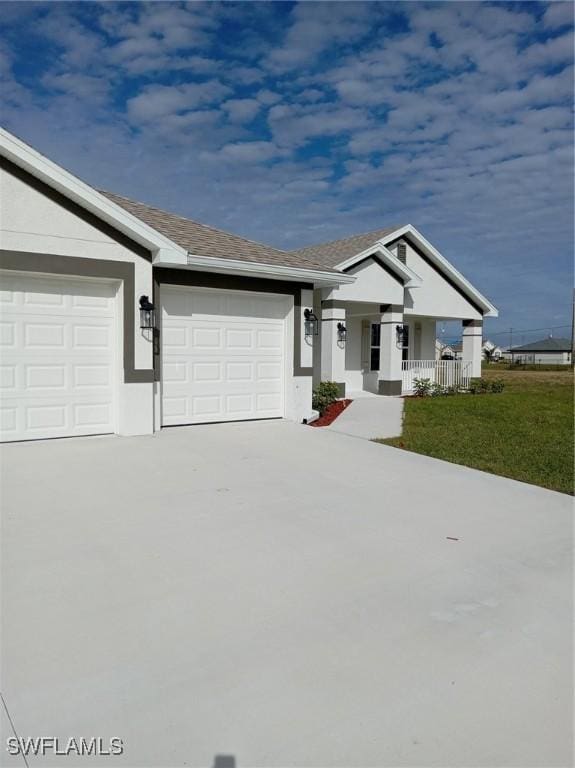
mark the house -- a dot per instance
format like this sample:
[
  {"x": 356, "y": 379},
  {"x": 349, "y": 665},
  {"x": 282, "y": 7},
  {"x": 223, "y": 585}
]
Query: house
[
  {"x": 118, "y": 317},
  {"x": 491, "y": 351},
  {"x": 443, "y": 351},
  {"x": 550, "y": 350}
]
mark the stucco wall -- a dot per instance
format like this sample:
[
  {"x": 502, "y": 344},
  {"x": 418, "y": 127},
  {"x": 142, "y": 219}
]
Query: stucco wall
[
  {"x": 435, "y": 297},
  {"x": 373, "y": 284},
  {"x": 32, "y": 222},
  {"x": 551, "y": 358}
]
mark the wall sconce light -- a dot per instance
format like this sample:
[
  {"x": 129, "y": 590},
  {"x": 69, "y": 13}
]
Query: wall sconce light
[
  {"x": 311, "y": 325},
  {"x": 341, "y": 333},
  {"x": 147, "y": 313},
  {"x": 400, "y": 335}
]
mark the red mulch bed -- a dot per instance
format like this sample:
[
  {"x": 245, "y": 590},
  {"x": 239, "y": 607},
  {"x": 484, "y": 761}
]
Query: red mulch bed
[{"x": 331, "y": 413}]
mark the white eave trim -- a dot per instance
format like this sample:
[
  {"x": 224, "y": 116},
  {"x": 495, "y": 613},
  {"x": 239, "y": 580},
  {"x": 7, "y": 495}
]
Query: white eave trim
[
  {"x": 408, "y": 276},
  {"x": 255, "y": 269},
  {"x": 446, "y": 267},
  {"x": 54, "y": 176}
]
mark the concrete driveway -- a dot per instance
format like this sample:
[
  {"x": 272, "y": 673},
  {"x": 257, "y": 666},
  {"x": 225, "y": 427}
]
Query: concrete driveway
[{"x": 268, "y": 594}]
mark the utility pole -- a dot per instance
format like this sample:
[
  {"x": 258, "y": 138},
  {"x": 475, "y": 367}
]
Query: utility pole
[
  {"x": 511, "y": 343},
  {"x": 573, "y": 330}
]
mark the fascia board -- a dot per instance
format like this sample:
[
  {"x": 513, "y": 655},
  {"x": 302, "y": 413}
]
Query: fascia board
[{"x": 254, "y": 269}]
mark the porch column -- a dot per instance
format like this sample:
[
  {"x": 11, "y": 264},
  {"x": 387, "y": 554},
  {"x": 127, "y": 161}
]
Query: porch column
[
  {"x": 390, "y": 352},
  {"x": 332, "y": 349},
  {"x": 471, "y": 346}
]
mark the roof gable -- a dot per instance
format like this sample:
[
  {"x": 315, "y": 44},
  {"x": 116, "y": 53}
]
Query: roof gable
[
  {"x": 342, "y": 253},
  {"x": 57, "y": 178}
]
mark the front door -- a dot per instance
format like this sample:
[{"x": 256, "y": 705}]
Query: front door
[{"x": 371, "y": 355}]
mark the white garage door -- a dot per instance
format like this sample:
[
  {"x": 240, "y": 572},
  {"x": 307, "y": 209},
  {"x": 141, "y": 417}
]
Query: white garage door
[
  {"x": 222, "y": 355},
  {"x": 57, "y": 355}
]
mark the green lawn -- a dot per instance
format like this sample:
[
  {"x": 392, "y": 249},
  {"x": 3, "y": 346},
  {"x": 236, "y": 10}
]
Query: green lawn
[{"x": 525, "y": 433}]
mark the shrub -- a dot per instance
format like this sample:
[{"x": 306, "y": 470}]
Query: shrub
[
  {"x": 437, "y": 390},
  {"x": 421, "y": 387},
  {"x": 483, "y": 386},
  {"x": 452, "y": 390},
  {"x": 324, "y": 395}
]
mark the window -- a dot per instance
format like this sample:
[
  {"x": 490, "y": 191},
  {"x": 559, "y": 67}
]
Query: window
[
  {"x": 405, "y": 343},
  {"x": 375, "y": 344}
]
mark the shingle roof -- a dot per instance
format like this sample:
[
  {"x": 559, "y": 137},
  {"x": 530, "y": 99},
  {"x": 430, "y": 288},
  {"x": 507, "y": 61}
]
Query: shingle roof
[
  {"x": 545, "y": 345},
  {"x": 203, "y": 240},
  {"x": 336, "y": 251}
]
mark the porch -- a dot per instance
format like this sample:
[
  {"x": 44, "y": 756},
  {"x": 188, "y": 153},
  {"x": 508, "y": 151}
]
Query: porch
[
  {"x": 446, "y": 373},
  {"x": 381, "y": 349}
]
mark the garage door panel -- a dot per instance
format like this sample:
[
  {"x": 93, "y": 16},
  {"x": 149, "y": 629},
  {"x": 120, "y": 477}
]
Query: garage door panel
[
  {"x": 28, "y": 293},
  {"x": 7, "y": 335},
  {"x": 269, "y": 371},
  {"x": 205, "y": 338},
  {"x": 38, "y": 333},
  {"x": 174, "y": 337},
  {"x": 58, "y": 373},
  {"x": 240, "y": 370},
  {"x": 224, "y": 360},
  {"x": 32, "y": 377}
]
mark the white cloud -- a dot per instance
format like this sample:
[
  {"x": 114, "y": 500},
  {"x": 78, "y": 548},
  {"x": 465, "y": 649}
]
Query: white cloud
[
  {"x": 555, "y": 51},
  {"x": 249, "y": 152},
  {"x": 241, "y": 110},
  {"x": 558, "y": 14},
  {"x": 155, "y": 102},
  {"x": 294, "y": 125},
  {"x": 316, "y": 27},
  {"x": 267, "y": 97},
  {"x": 462, "y": 124}
]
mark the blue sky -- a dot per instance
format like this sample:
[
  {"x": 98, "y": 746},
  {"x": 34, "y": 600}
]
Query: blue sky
[{"x": 299, "y": 123}]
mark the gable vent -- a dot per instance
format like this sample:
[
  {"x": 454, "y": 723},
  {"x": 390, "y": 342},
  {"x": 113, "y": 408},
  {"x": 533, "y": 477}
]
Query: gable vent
[{"x": 402, "y": 252}]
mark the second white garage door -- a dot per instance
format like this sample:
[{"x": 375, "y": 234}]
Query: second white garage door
[{"x": 223, "y": 355}]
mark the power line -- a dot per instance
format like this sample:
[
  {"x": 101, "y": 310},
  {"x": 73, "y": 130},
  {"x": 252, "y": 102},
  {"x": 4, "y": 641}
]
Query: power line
[{"x": 530, "y": 330}]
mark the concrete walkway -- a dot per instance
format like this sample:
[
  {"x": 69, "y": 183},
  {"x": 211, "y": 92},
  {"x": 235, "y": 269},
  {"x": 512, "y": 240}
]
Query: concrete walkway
[{"x": 370, "y": 417}]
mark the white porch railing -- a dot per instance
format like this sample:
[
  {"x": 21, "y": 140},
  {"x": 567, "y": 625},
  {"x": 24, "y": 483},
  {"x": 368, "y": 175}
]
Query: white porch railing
[{"x": 448, "y": 373}]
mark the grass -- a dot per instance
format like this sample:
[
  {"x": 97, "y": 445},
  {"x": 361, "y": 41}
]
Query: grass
[
  {"x": 526, "y": 432},
  {"x": 525, "y": 367}
]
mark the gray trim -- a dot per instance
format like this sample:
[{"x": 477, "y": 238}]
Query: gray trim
[
  {"x": 340, "y": 388},
  {"x": 472, "y": 323},
  {"x": 385, "y": 387},
  {"x": 224, "y": 282},
  {"x": 333, "y": 304},
  {"x": 383, "y": 308},
  {"x": 76, "y": 266},
  {"x": 74, "y": 208}
]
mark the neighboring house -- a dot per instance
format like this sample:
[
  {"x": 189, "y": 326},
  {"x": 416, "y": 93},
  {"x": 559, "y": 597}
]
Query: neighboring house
[
  {"x": 491, "y": 351},
  {"x": 443, "y": 351},
  {"x": 551, "y": 351},
  {"x": 457, "y": 351},
  {"x": 232, "y": 334}
]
